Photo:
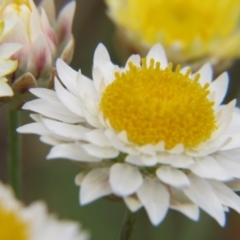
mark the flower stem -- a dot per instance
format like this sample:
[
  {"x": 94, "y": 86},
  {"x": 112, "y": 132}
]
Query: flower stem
[
  {"x": 127, "y": 227},
  {"x": 14, "y": 151}
]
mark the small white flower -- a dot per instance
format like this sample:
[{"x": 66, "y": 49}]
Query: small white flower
[
  {"x": 33, "y": 222},
  {"x": 158, "y": 138}
]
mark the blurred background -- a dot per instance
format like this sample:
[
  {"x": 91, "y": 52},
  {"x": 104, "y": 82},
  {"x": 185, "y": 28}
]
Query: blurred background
[{"x": 53, "y": 180}]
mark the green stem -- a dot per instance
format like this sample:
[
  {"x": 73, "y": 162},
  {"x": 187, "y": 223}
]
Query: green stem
[
  {"x": 14, "y": 151},
  {"x": 127, "y": 227}
]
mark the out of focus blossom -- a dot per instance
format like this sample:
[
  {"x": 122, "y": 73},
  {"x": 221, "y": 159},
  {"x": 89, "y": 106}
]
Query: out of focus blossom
[
  {"x": 43, "y": 36},
  {"x": 7, "y": 66},
  {"x": 192, "y": 31},
  {"x": 33, "y": 222}
]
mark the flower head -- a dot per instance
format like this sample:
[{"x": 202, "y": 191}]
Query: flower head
[
  {"x": 33, "y": 222},
  {"x": 189, "y": 30},
  {"x": 154, "y": 135},
  {"x": 44, "y": 38}
]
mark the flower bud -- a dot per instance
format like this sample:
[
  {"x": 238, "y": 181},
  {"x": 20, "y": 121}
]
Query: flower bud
[{"x": 43, "y": 36}]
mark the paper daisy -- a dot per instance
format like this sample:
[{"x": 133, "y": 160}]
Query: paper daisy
[
  {"x": 190, "y": 31},
  {"x": 153, "y": 135},
  {"x": 33, "y": 222}
]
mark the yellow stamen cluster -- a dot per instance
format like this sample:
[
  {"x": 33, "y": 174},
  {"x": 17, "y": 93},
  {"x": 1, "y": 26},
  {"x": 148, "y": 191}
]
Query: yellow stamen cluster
[
  {"x": 153, "y": 105},
  {"x": 12, "y": 227}
]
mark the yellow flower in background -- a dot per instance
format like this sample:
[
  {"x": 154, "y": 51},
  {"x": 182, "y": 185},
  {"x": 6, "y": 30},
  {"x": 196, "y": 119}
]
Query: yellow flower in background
[
  {"x": 189, "y": 30},
  {"x": 33, "y": 222},
  {"x": 43, "y": 36}
]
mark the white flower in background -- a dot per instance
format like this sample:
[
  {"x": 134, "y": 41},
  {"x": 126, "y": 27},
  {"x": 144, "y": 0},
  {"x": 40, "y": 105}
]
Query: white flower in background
[
  {"x": 43, "y": 36},
  {"x": 158, "y": 138},
  {"x": 33, "y": 222}
]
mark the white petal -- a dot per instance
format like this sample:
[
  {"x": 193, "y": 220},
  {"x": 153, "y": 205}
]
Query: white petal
[
  {"x": 234, "y": 184},
  {"x": 120, "y": 145},
  {"x": 86, "y": 86},
  {"x": 181, "y": 161},
  {"x": 207, "y": 167},
  {"x": 158, "y": 54},
  {"x": 50, "y": 140},
  {"x": 201, "y": 193},
  {"x": 98, "y": 137},
  {"x": 226, "y": 195},
  {"x": 91, "y": 105},
  {"x": 173, "y": 177},
  {"x": 185, "y": 69},
  {"x": 71, "y": 102},
  {"x": 45, "y": 94},
  {"x": 98, "y": 80},
  {"x": 123, "y": 136},
  {"x": 95, "y": 185},
  {"x": 135, "y": 59},
  {"x": 49, "y": 7},
  {"x": 231, "y": 166},
  {"x": 7, "y": 66},
  {"x": 100, "y": 152},
  {"x": 5, "y": 89},
  {"x": 39, "y": 58},
  {"x": 135, "y": 160},
  {"x": 103, "y": 63},
  {"x": 79, "y": 178},
  {"x": 55, "y": 110},
  {"x": 68, "y": 76},
  {"x": 206, "y": 74},
  {"x": 125, "y": 179},
  {"x": 179, "y": 148},
  {"x": 71, "y": 151},
  {"x": 220, "y": 86},
  {"x": 147, "y": 149},
  {"x": 70, "y": 131},
  {"x": 65, "y": 19},
  {"x": 181, "y": 203},
  {"x": 233, "y": 143},
  {"x": 93, "y": 120},
  {"x": 148, "y": 160},
  {"x": 155, "y": 198},
  {"x": 133, "y": 203},
  {"x": 176, "y": 160},
  {"x": 159, "y": 147},
  {"x": 35, "y": 128},
  {"x": 8, "y": 49}
]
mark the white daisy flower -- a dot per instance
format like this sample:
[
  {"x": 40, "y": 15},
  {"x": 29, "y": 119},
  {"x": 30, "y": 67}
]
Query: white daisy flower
[
  {"x": 33, "y": 222},
  {"x": 158, "y": 138}
]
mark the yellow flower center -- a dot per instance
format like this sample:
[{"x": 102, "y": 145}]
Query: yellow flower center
[
  {"x": 12, "y": 227},
  {"x": 177, "y": 20},
  {"x": 153, "y": 105}
]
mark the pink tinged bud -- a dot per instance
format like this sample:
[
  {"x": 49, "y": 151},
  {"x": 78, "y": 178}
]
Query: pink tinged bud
[
  {"x": 64, "y": 22},
  {"x": 48, "y": 30},
  {"x": 44, "y": 38},
  {"x": 40, "y": 58}
]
